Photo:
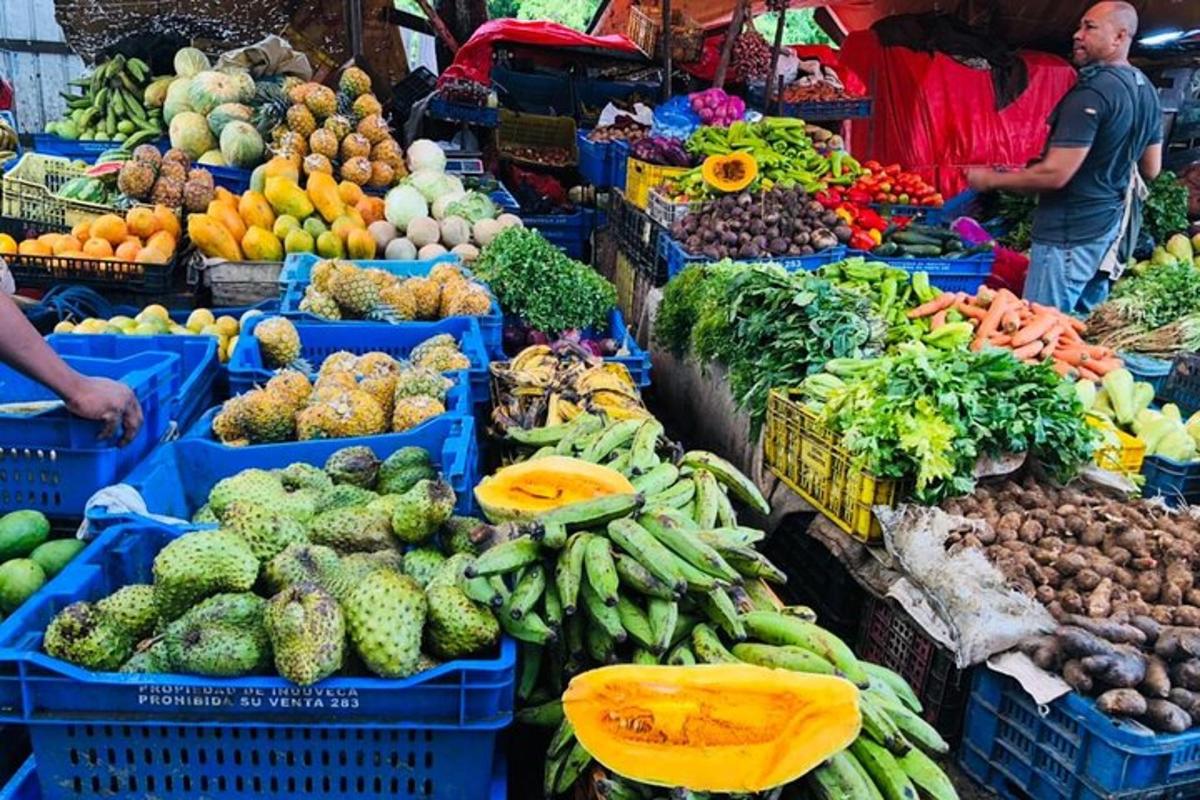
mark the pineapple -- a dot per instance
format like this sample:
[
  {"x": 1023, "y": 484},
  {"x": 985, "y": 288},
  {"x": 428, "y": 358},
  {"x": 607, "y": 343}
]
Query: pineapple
[
  {"x": 136, "y": 179},
  {"x": 357, "y": 170},
  {"x": 354, "y": 146},
  {"x": 332, "y": 386},
  {"x": 376, "y": 364},
  {"x": 318, "y": 421},
  {"x": 399, "y": 300},
  {"x": 444, "y": 273},
  {"x": 321, "y": 101},
  {"x": 422, "y": 381},
  {"x": 292, "y": 142},
  {"x": 354, "y": 82},
  {"x": 340, "y": 126},
  {"x": 381, "y": 278},
  {"x": 409, "y": 412},
  {"x": 354, "y": 291},
  {"x": 270, "y": 106},
  {"x": 291, "y": 387},
  {"x": 474, "y": 302},
  {"x": 427, "y": 294},
  {"x": 229, "y": 423},
  {"x": 280, "y": 343},
  {"x": 321, "y": 273},
  {"x": 432, "y": 343},
  {"x": 374, "y": 128},
  {"x": 382, "y": 175},
  {"x": 444, "y": 359},
  {"x": 167, "y": 192},
  {"x": 268, "y": 416},
  {"x": 324, "y": 142},
  {"x": 343, "y": 361},
  {"x": 300, "y": 120},
  {"x": 321, "y": 304},
  {"x": 315, "y": 162},
  {"x": 366, "y": 417},
  {"x": 298, "y": 93},
  {"x": 366, "y": 105},
  {"x": 382, "y": 389},
  {"x": 388, "y": 151}
]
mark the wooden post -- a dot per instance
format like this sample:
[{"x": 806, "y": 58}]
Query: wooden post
[
  {"x": 735, "y": 27},
  {"x": 354, "y": 28},
  {"x": 666, "y": 45},
  {"x": 770, "y": 83},
  {"x": 439, "y": 26}
]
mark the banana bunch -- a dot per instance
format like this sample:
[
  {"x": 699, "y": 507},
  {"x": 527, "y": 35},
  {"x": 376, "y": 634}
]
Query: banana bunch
[
  {"x": 8, "y": 141},
  {"x": 108, "y": 106},
  {"x": 545, "y": 385}
]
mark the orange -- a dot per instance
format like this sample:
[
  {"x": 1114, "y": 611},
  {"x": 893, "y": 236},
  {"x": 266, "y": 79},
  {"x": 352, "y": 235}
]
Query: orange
[
  {"x": 350, "y": 192},
  {"x": 64, "y": 245},
  {"x": 8, "y": 244},
  {"x": 82, "y": 231},
  {"x": 97, "y": 248},
  {"x": 33, "y": 247},
  {"x": 109, "y": 227},
  {"x": 163, "y": 242},
  {"x": 151, "y": 255},
  {"x": 128, "y": 250},
  {"x": 50, "y": 239},
  {"x": 142, "y": 222},
  {"x": 167, "y": 221},
  {"x": 74, "y": 253}
]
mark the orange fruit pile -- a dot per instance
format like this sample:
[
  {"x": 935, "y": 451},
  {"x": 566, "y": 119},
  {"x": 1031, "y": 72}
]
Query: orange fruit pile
[{"x": 144, "y": 236}]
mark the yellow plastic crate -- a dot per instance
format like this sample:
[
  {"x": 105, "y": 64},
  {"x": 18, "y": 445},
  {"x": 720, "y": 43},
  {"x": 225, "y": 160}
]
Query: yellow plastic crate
[
  {"x": 807, "y": 457},
  {"x": 1120, "y": 452},
  {"x": 29, "y": 187},
  {"x": 624, "y": 279},
  {"x": 642, "y": 176}
]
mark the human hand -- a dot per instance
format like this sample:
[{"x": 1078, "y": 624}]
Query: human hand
[
  {"x": 980, "y": 179},
  {"x": 109, "y": 402}
]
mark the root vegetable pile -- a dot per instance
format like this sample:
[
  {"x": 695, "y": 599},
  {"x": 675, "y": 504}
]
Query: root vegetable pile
[{"x": 1119, "y": 577}]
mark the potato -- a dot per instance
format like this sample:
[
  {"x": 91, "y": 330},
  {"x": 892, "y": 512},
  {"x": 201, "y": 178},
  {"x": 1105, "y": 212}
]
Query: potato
[
  {"x": 1067, "y": 510},
  {"x": 1076, "y": 677},
  {"x": 1030, "y": 531},
  {"x": 1148, "y": 626},
  {"x": 1186, "y": 674},
  {"x": 1133, "y": 540},
  {"x": 1070, "y": 564},
  {"x": 1044, "y": 595},
  {"x": 1056, "y": 524},
  {"x": 1186, "y": 616},
  {"x": 1118, "y": 555},
  {"x": 1187, "y": 700},
  {"x": 1099, "y": 603},
  {"x": 1163, "y": 614},
  {"x": 1078, "y": 643},
  {"x": 1005, "y": 535},
  {"x": 1123, "y": 669},
  {"x": 1157, "y": 682},
  {"x": 1010, "y": 517},
  {"x": 1148, "y": 585},
  {"x": 1086, "y": 580},
  {"x": 1124, "y": 578},
  {"x": 1076, "y": 526},
  {"x": 1122, "y": 703},
  {"x": 1107, "y": 629},
  {"x": 1166, "y": 717},
  {"x": 1092, "y": 535},
  {"x": 1192, "y": 597},
  {"x": 986, "y": 536},
  {"x": 1072, "y": 601}
]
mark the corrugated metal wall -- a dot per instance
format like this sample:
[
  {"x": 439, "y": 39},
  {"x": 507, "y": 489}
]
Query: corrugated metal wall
[{"x": 37, "y": 77}]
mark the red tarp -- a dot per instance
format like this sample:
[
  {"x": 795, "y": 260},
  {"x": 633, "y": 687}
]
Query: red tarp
[
  {"x": 473, "y": 61},
  {"x": 937, "y": 116}
]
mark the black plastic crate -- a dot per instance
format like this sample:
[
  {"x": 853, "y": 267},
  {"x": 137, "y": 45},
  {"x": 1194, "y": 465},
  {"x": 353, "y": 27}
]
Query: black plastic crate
[
  {"x": 415, "y": 87},
  {"x": 1182, "y": 386},
  {"x": 638, "y": 237},
  {"x": 815, "y": 577},
  {"x": 889, "y": 636}
]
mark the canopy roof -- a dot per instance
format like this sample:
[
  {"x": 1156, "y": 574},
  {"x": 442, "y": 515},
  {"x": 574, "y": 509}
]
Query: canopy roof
[{"x": 1021, "y": 22}]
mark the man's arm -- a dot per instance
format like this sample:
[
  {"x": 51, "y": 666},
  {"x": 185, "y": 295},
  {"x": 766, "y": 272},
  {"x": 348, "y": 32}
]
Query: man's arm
[
  {"x": 23, "y": 349},
  {"x": 1150, "y": 164},
  {"x": 1052, "y": 172}
]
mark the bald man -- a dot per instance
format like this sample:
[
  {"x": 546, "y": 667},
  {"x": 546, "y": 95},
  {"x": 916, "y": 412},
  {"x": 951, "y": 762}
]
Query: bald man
[{"x": 1105, "y": 137}]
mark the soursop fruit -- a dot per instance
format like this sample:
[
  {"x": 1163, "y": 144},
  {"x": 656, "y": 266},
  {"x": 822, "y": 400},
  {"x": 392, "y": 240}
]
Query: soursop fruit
[
  {"x": 222, "y": 637},
  {"x": 403, "y": 469},
  {"x": 151, "y": 660},
  {"x": 422, "y": 510},
  {"x": 422, "y": 563},
  {"x": 264, "y": 529},
  {"x": 301, "y": 563},
  {"x": 385, "y": 616},
  {"x": 457, "y": 531},
  {"x": 450, "y": 571},
  {"x": 199, "y": 565},
  {"x": 255, "y": 485},
  {"x": 307, "y": 632},
  {"x": 133, "y": 608},
  {"x": 300, "y": 505},
  {"x": 457, "y": 626},
  {"x": 205, "y": 515},
  {"x": 83, "y": 636},
  {"x": 356, "y": 466},
  {"x": 345, "y": 495},
  {"x": 352, "y": 530},
  {"x": 304, "y": 476},
  {"x": 357, "y": 566}
]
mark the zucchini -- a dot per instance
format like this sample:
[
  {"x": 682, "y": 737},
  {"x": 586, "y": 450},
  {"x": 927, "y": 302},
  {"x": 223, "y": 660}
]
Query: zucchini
[
  {"x": 919, "y": 250},
  {"x": 887, "y": 249},
  {"x": 910, "y": 237}
]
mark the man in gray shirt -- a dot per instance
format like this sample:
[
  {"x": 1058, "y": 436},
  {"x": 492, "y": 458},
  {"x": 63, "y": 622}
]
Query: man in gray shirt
[{"x": 1104, "y": 132}]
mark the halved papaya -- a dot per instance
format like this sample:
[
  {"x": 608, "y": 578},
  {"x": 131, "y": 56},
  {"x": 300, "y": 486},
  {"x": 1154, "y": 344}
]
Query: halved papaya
[
  {"x": 729, "y": 173},
  {"x": 531, "y": 488}
]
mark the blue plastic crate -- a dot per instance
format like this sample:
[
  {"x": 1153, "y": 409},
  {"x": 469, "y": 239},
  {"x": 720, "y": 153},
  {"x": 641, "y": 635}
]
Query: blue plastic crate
[
  {"x": 815, "y": 110},
  {"x": 199, "y": 364},
  {"x": 603, "y": 164},
  {"x": 458, "y": 112},
  {"x": 297, "y": 274},
  {"x": 569, "y": 232},
  {"x": 235, "y": 179},
  {"x": 1182, "y": 385},
  {"x": 53, "y": 462},
  {"x": 103, "y": 734},
  {"x": 1176, "y": 482},
  {"x": 964, "y": 274},
  {"x": 48, "y": 144},
  {"x": 177, "y": 477},
  {"x": 1070, "y": 750},
  {"x": 24, "y": 784},
  {"x": 505, "y": 200},
  {"x": 1147, "y": 369},
  {"x": 319, "y": 339},
  {"x": 677, "y": 258}
]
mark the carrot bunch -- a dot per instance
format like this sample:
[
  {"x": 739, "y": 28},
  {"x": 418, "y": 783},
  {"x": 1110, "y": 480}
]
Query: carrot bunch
[{"x": 1035, "y": 333}]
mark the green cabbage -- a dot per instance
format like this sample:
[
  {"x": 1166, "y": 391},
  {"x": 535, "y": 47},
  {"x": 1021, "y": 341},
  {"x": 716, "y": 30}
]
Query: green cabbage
[{"x": 472, "y": 207}]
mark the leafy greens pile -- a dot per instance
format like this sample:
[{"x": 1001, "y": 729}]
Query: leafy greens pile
[
  {"x": 930, "y": 414},
  {"x": 1161, "y": 294},
  {"x": 1166, "y": 210},
  {"x": 538, "y": 283},
  {"x": 771, "y": 328}
]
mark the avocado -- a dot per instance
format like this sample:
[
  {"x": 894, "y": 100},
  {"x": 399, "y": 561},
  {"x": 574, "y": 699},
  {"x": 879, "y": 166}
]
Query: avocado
[
  {"x": 21, "y": 532},
  {"x": 53, "y": 556},
  {"x": 19, "y": 579}
]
